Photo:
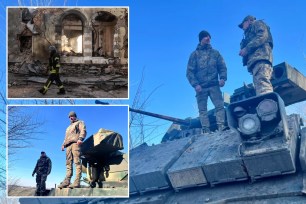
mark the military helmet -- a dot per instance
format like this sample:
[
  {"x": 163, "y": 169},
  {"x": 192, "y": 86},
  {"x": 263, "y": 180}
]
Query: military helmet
[
  {"x": 52, "y": 48},
  {"x": 72, "y": 113},
  {"x": 249, "y": 17},
  {"x": 203, "y": 34}
]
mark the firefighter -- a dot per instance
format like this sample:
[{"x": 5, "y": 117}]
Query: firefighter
[{"x": 54, "y": 66}]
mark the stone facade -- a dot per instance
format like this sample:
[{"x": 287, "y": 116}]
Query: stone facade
[{"x": 81, "y": 35}]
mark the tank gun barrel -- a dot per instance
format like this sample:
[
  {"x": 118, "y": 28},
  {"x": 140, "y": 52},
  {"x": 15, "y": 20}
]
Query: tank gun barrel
[{"x": 172, "y": 119}]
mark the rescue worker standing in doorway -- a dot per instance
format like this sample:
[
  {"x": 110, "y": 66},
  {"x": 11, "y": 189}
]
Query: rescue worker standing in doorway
[
  {"x": 42, "y": 170},
  {"x": 54, "y": 66},
  {"x": 75, "y": 134}
]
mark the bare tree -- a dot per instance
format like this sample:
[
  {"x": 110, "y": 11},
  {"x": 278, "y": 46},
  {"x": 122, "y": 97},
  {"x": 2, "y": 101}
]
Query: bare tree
[
  {"x": 23, "y": 128},
  {"x": 3, "y": 104},
  {"x": 141, "y": 128}
]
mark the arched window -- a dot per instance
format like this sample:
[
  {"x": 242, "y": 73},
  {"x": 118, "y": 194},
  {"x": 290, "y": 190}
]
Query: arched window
[{"x": 72, "y": 35}]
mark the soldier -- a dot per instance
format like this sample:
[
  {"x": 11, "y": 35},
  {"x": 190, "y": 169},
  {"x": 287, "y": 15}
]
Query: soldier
[
  {"x": 54, "y": 65},
  {"x": 207, "y": 72},
  {"x": 256, "y": 51},
  {"x": 75, "y": 134},
  {"x": 42, "y": 170}
]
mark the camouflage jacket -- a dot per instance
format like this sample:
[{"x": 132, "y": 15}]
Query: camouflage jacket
[
  {"x": 43, "y": 165},
  {"x": 76, "y": 131},
  {"x": 258, "y": 43},
  {"x": 205, "y": 67},
  {"x": 54, "y": 63}
]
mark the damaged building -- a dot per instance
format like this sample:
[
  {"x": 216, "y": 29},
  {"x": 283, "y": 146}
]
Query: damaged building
[{"x": 92, "y": 44}]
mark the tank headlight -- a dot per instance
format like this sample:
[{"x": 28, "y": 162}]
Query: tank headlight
[
  {"x": 267, "y": 109},
  {"x": 249, "y": 124}
]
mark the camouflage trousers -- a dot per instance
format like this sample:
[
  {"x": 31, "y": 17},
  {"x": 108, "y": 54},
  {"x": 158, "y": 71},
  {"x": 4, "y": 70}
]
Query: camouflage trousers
[
  {"x": 262, "y": 72},
  {"x": 215, "y": 95},
  {"x": 41, "y": 184},
  {"x": 73, "y": 155}
]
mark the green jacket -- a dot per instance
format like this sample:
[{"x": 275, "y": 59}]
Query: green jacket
[
  {"x": 205, "y": 67},
  {"x": 258, "y": 43}
]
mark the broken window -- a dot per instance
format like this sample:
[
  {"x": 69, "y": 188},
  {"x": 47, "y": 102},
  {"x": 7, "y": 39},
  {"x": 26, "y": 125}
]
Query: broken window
[
  {"x": 103, "y": 34},
  {"x": 72, "y": 35},
  {"x": 25, "y": 42}
]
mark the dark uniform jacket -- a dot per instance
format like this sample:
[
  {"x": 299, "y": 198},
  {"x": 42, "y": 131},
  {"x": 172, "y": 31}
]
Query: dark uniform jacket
[
  {"x": 258, "y": 43},
  {"x": 54, "y": 63},
  {"x": 204, "y": 66},
  {"x": 43, "y": 166}
]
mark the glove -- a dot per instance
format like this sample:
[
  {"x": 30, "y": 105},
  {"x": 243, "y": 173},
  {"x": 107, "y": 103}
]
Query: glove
[{"x": 33, "y": 174}]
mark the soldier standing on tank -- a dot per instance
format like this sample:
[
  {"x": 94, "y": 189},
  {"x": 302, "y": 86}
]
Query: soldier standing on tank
[
  {"x": 75, "y": 134},
  {"x": 54, "y": 66},
  {"x": 256, "y": 52},
  {"x": 42, "y": 170},
  {"x": 207, "y": 72}
]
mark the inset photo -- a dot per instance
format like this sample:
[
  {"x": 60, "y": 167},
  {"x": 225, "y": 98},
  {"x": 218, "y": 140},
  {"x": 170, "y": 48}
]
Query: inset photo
[
  {"x": 67, "y": 151},
  {"x": 67, "y": 52}
]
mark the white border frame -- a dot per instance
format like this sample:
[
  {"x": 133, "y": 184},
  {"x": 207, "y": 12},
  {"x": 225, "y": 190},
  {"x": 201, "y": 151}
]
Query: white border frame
[
  {"x": 89, "y": 197},
  {"x": 70, "y": 7}
]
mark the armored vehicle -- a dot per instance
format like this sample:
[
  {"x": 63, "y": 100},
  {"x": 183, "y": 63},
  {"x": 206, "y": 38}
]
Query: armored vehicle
[{"x": 259, "y": 158}]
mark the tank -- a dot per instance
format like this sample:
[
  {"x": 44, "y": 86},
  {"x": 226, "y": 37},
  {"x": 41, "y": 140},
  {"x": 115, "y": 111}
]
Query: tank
[{"x": 260, "y": 158}]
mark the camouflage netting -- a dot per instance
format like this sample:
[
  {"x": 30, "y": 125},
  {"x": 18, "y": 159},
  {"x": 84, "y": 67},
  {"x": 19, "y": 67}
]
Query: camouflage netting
[{"x": 103, "y": 142}]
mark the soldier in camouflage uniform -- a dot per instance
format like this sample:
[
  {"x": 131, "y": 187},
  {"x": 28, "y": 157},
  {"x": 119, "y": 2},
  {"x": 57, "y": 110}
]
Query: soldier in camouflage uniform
[
  {"x": 75, "y": 134},
  {"x": 207, "y": 72},
  {"x": 256, "y": 51},
  {"x": 42, "y": 170}
]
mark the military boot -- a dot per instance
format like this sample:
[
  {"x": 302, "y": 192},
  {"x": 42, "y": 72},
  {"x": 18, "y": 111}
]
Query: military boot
[
  {"x": 205, "y": 130},
  {"x": 42, "y": 91},
  {"x": 61, "y": 91},
  {"x": 75, "y": 184},
  {"x": 92, "y": 184},
  {"x": 64, "y": 184},
  {"x": 222, "y": 127},
  {"x": 100, "y": 184},
  {"x": 37, "y": 193}
]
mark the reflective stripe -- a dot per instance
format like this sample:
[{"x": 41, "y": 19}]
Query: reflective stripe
[
  {"x": 53, "y": 71},
  {"x": 58, "y": 65},
  {"x": 48, "y": 85},
  {"x": 61, "y": 87}
]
